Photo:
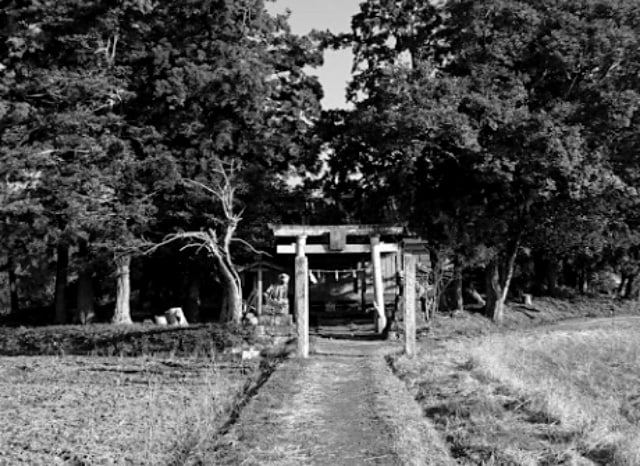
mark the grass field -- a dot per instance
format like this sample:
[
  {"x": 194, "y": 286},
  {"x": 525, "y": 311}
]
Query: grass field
[
  {"x": 568, "y": 394},
  {"x": 101, "y": 410}
]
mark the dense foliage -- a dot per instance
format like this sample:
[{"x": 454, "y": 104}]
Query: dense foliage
[
  {"x": 107, "y": 107},
  {"x": 495, "y": 127},
  {"x": 503, "y": 132}
]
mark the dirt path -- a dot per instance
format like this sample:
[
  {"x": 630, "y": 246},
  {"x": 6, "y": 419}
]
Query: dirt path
[{"x": 343, "y": 406}]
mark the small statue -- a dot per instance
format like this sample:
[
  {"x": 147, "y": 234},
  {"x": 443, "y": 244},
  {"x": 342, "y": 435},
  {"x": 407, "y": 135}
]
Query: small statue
[{"x": 276, "y": 298}]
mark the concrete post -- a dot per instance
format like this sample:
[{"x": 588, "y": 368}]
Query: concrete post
[
  {"x": 302, "y": 297},
  {"x": 410, "y": 304},
  {"x": 378, "y": 286}
]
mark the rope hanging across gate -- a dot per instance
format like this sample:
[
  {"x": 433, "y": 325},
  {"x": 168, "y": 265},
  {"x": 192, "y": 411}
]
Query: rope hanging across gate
[{"x": 314, "y": 274}]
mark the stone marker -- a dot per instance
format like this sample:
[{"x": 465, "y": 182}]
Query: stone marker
[
  {"x": 160, "y": 320},
  {"x": 251, "y": 319},
  {"x": 249, "y": 354},
  {"x": 175, "y": 316}
]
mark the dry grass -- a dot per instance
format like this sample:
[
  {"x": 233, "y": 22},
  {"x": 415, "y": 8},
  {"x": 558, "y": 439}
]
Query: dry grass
[
  {"x": 415, "y": 440},
  {"x": 587, "y": 380},
  {"x": 565, "y": 396},
  {"x": 79, "y": 410},
  {"x": 545, "y": 311}
]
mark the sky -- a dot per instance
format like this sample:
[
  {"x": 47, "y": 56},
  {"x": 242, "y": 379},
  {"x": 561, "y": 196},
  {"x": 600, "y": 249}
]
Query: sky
[{"x": 334, "y": 15}]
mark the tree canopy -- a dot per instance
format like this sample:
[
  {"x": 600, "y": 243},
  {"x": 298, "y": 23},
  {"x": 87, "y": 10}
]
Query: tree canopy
[
  {"x": 494, "y": 129},
  {"x": 488, "y": 125},
  {"x": 106, "y": 106}
]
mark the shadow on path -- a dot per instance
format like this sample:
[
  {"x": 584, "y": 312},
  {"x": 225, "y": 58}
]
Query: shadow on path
[{"x": 343, "y": 327}]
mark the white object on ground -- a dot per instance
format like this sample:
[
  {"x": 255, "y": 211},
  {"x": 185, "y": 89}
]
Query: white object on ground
[
  {"x": 160, "y": 320},
  {"x": 175, "y": 316}
]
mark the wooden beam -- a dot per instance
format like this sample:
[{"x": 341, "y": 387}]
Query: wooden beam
[
  {"x": 349, "y": 249},
  {"x": 319, "y": 230},
  {"x": 415, "y": 246}
]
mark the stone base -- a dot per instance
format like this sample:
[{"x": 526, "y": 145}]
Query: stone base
[
  {"x": 275, "y": 330},
  {"x": 275, "y": 308},
  {"x": 275, "y": 320}
]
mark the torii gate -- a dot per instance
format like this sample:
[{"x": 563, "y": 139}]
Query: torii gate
[{"x": 338, "y": 244}]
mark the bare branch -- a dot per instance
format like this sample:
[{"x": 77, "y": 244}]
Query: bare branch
[
  {"x": 195, "y": 245},
  {"x": 112, "y": 58},
  {"x": 204, "y": 186},
  {"x": 251, "y": 247}
]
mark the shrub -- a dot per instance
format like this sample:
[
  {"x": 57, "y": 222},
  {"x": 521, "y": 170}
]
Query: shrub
[{"x": 134, "y": 340}]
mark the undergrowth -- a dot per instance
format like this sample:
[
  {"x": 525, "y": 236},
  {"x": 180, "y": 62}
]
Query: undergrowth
[{"x": 204, "y": 340}]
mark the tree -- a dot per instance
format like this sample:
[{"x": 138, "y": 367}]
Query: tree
[
  {"x": 66, "y": 91},
  {"x": 490, "y": 125},
  {"x": 240, "y": 96},
  {"x": 85, "y": 93},
  {"x": 216, "y": 242}
]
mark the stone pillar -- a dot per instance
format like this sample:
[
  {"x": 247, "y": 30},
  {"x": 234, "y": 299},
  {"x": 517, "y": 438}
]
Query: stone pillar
[
  {"x": 378, "y": 286},
  {"x": 302, "y": 297},
  {"x": 410, "y": 304},
  {"x": 259, "y": 292}
]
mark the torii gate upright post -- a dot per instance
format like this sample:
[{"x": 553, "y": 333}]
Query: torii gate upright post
[
  {"x": 410, "y": 249},
  {"x": 378, "y": 285},
  {"x": 302, "y": 297},
  {"x": 409, "y": 304}
]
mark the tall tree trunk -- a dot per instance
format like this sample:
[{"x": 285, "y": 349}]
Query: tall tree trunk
[
  {"x": 498, "y": 287},
  {"x": 552, "y": 272},
  {"x": 192, "y": 305},
  {"x": 13, "y": 287},
  {"x": 457, "y": 285},
  {"x": 633, "y": 287},
  {"x": 232, "y": 309},
  {"x": 232, "y": 302},
  {"x": 583, "y": 280},
  {"x": 84, "y": 298},
  {"x": 510, "y": 267},
  {"x": 495, "y": 305},
  {"x": 122, "y": 314},
  {"x": 62, "y": 274}
]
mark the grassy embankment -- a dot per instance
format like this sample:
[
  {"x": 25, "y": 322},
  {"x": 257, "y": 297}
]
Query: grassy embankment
[
  {"x": 202, "y": 340},
  {"x": 565, "y": 394},
  {"x": 166, "y": 405}
]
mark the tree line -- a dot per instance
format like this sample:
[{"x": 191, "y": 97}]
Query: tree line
[
  {"x": 107, "y": 108},
  {"x": 504, "y": 133}
]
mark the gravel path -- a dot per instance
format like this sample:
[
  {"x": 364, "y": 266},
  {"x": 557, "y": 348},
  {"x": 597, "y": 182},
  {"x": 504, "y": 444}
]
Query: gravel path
[{"x": 342, "y": 406}]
